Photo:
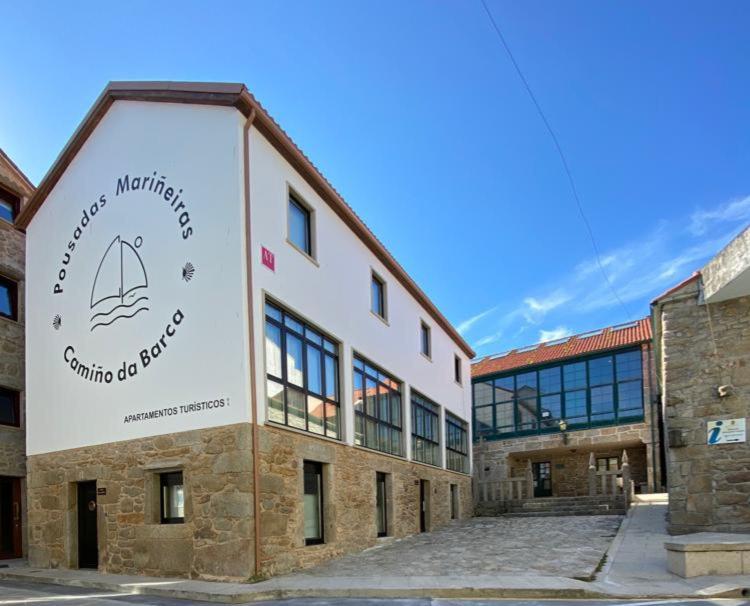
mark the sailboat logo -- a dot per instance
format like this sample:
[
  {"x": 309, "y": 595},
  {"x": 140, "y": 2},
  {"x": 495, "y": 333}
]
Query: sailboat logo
[{"x": 119, "y": 286}]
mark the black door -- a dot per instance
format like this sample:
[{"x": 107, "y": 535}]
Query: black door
[
  {"x": 423, "y": 505},
  {"x": 88, "y": 545},
  {"x": 10, "y": 518},
  {"x": 542, "y": 479}
]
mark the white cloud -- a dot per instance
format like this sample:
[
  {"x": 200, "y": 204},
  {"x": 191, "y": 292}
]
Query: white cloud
[
  {"x": 488, "y": 340},
  {"x": 466, "y": 325},
  {"x": 535, "y": 308},
  {"x": 554, "y": 334},
  {"x": 733, "y": 211}
]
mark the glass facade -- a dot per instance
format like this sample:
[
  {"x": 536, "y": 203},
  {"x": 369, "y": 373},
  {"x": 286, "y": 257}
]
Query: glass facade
[
  {"x": 599, "y": 390},
  {"x": 302, "y": 368},
  {"x": 456, "y": 444},
  {"x": 377, "y": 409},
  {"x": 425, "y": 430}
]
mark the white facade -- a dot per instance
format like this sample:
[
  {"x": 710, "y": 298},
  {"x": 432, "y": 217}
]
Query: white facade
[{"x": 199, "y": 149}]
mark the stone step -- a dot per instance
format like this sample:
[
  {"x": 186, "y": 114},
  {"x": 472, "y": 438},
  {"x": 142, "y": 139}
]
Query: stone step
[{"x": 551, "y": 514}]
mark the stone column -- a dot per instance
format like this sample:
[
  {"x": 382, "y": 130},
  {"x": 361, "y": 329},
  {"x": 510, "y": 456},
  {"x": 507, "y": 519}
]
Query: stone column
[
  {"x": 529, "y": 480},
  {"x": 592, "y": 475},
  {"x": 626, "y": 483}
]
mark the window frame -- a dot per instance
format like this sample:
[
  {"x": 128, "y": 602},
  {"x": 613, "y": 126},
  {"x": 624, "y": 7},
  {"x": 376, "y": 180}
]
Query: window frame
[
  {"x": 425, "y": 339},
  {"x": 294, "y": 199},
  {"x": 381, "y": 478},
  {"x": 431, "y": 409},
  {"x": 375, "y": 277},
  {"x": 323, "y": 350},
  {"x": 12, "y": 286},
  {"x": 462, "y": 427},
  {"x": 458, "y": 369},
  {"x": 320, "y": 475},
  {"x": 15, "y": 404},
  {"x": 14, "y": 200},
  {"x": 364, "y": 365},
  {"x": 584, "y": 420},
  {"x": 165, "y": 481}
]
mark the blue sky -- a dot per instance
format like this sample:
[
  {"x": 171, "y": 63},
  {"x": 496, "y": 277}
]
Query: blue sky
[{"x": 413, "y": 111}]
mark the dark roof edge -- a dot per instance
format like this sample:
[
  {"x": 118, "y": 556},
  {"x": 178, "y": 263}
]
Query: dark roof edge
[{"x": 232, "y": 95}]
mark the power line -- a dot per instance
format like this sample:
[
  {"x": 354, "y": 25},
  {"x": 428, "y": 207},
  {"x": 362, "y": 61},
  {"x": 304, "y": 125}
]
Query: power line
[{"x": 560, "y": 152}]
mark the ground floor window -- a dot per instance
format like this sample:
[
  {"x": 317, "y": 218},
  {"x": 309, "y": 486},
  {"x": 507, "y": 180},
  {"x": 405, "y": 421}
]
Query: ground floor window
[
  {"x": 10, "y": 408},
  {"x": 172, "y": 498},
  {"x": 454, "y": 501},
  {"x": 607, "y": 464},
  {"x": 381, "y": 500},
  {"x": 313, "y": 502}
]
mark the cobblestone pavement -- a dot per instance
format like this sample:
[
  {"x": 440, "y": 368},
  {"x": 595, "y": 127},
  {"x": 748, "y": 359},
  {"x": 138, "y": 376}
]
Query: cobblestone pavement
[{"x": 550, "y": 546}]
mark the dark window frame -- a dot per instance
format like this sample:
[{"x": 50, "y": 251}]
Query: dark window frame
[
  {"x": 457, "y": 369},
  {"x": 422, "y": 405},
  {"x": 589, "y": 419},
  {"x": 167, "y": 480},
  {"x": 318, "y": 471},
  {"x": 14, "y": 200},
  {"x": 363, "y": 367},
  {"x": 307, "y": 212},
  {"x": 15, "y": 397},
  {"x": 327, "y": 348},
  {"x": 425, "y": 339},
  {"x": 382, "y": 299},
  {"x": 382, "y": 478},
  {"x": 12, "y": 288},
  {"x": 456, "y": 428}
]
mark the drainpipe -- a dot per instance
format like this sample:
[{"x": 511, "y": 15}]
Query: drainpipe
[{"x": 251, "y": 338}]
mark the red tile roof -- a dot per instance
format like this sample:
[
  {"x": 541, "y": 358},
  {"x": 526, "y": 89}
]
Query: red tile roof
[{"x": 577, "y": 345}]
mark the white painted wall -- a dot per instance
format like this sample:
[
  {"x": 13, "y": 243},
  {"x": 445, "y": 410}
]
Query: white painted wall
[
  {"x": 197, "y": 149},
  {"x": 334, "y": 294}
]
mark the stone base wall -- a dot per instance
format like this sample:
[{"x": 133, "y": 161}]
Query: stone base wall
[
  {"x": 349, "y": 498},
  {"x": 217, "y": 541},
  {"x": 709, "y": 486},
  {"x": 508, "y": 458}
]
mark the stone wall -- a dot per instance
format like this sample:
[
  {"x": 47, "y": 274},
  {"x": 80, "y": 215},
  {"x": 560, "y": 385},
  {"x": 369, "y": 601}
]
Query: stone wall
[
  {"x": 349, "y": 495},
  {"x": 217, "y": 539},
  {"x": 709, "y": 486}
]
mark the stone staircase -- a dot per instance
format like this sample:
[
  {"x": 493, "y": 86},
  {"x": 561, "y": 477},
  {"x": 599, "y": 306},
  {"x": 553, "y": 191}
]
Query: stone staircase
[{"x": 556, "y": 506}]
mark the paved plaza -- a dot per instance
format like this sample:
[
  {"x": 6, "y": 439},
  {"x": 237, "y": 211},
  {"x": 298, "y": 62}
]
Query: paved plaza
[{"x": 550, "y": 546}]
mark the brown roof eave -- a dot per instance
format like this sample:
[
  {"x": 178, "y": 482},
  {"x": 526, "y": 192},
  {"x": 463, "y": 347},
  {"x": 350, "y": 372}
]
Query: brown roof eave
[{"x": 232, "y": 95}]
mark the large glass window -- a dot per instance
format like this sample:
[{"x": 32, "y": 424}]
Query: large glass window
[
  {"x": 300, "y": 226},
  {"x": 425, "y": 430},
  {"x": 377, "y": 409},
  {"x": 456, "y": 444},
  {"x": 302, "y": 382},
  {"x": 599, "y": 390},
  {"x": 313, "y": 502}
]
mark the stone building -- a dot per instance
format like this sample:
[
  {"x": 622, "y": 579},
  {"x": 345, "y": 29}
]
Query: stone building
[
  {"x": 15, "y": 190},
  {"x": 230, "y": 376},
  {"x": 553, "y": 408},
  {"x": 702, "y": 342}
]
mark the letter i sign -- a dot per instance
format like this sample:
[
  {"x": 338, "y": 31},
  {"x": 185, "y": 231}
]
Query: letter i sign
[{"x": 268, "y": 259}]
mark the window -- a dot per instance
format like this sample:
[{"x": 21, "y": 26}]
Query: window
[
  {"x": 10, "y": 409},
  {"x": 608, "y": 464},
  {"x": 599, "y": 390},
  {"x": 426, "y": 340},
  {"x": 377, "y": 409},
  {"x": 425, "y": 430},
  {"x": 313, "y": 502},
  {"x": 9, "y": 205},
  {"x": 457, "y": 369},
  {"x": 302, "y": 375},
  {"x": 172, "y": 498},
  {"x": 454, "y": 501},
  {"x": 377, "y": 296},
  {"x": 300, "y": 226},
  {"x": 381, "y": 504},
  {"x": 456, "y": 444},
  {"x": 8, "y": 298}
]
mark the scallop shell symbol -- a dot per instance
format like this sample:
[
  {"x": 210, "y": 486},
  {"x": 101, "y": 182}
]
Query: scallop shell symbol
[
  {"x": 56, "y": 322},
  {"x": 188, "y": 271}
]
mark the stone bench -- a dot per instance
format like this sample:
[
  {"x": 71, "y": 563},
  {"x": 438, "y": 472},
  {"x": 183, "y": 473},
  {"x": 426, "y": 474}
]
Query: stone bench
[{"x": 708, "y": 553}]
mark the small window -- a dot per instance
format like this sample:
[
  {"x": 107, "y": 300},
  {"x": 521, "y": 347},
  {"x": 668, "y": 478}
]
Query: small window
[
  {"x": 313, "y": 503},
  {"x": 9, "y": 205},
  {"x": 300, "y": 228},
  {"x": 172, "y": 498},
  {"x": 426, "y": 340},
  {"x": 10, "y": 409},
  {"x": 8, "y": 298},
  {"x": 377, "y": 295},
  {"x": 457, "y": 369},
  {"x": 608, "y": 464},
  {"x": 381, "y": 504}
]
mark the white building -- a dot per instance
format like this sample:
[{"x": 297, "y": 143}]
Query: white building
[{"x": 212, "y": 317}]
